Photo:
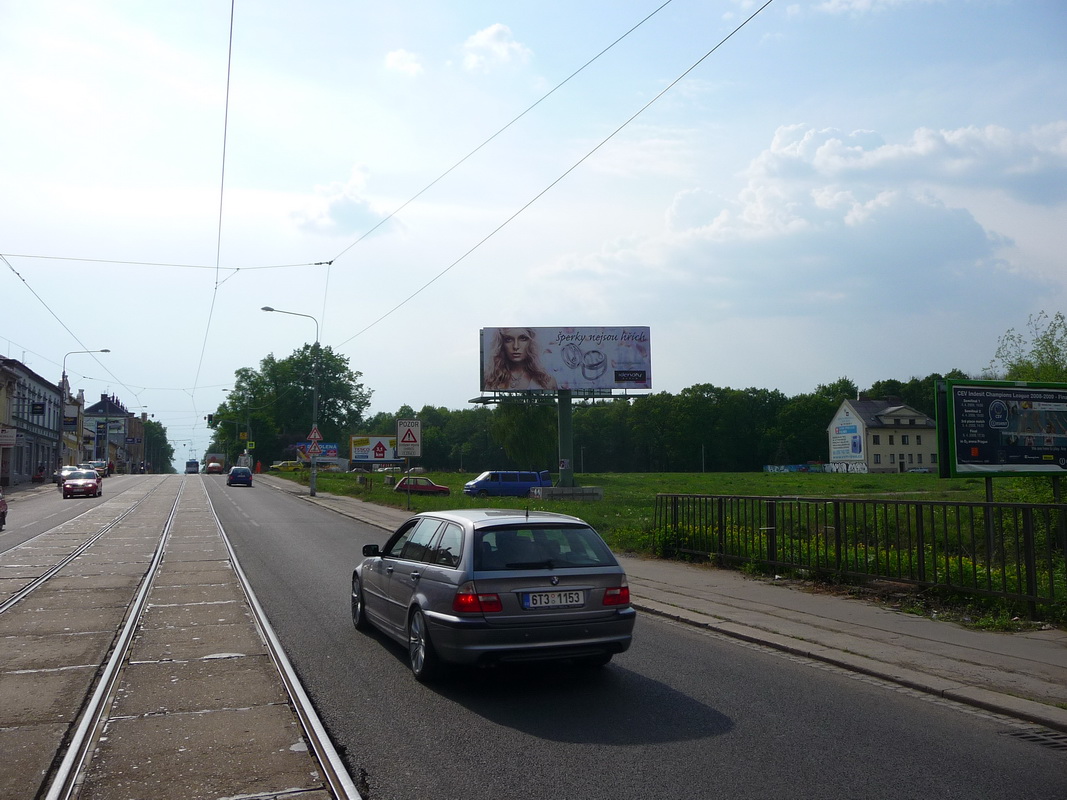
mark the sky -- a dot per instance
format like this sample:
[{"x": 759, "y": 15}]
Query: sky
[{"x": 784, "y": 195}]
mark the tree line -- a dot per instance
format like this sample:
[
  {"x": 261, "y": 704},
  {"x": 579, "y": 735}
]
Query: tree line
[{"x": 703, "y": 428}]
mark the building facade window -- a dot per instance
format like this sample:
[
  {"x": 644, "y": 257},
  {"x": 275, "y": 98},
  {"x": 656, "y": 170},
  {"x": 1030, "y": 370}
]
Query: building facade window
[
  {"x": 891, "y": 438},
  {"x": 904, "y": 439},
  {"x": 877, "y": 458},
  {"x": 877, "y": 439},
  {"x": 892, "y": 458},
  {"x": 918, "y": 439},
  {"x": 919, "y": 458}
]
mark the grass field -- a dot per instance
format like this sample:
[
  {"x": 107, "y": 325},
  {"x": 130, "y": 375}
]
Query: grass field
[{"x": 625, "y": 516}]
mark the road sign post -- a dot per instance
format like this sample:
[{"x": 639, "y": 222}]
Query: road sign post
[{"x": 408, "y": 438}]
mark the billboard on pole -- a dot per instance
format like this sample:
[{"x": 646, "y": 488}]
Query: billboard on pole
[
  {"x": 368, "y": 447},
  {"x": 546, "y": 359},
  {"x": 1002, "y": 428}
]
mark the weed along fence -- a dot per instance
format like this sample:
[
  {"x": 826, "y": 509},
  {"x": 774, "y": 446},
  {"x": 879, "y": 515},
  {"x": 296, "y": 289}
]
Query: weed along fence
[{"x": 1013, "y": 551}]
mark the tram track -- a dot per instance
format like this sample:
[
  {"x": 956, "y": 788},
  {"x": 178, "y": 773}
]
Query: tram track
[
  {"x": 35, "y": 582},
  {"x": 94, "y": 713},
  {"x": 147, "y": 633},
  {"x": 329, "y": 759}
]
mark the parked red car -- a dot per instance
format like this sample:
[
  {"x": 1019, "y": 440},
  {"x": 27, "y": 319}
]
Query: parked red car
[
  {"x": 420, "y": 486},
  {"x": 86, "y": 483}
]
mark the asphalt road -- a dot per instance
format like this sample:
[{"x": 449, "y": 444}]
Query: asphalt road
[{"x": 683, "y": 714}]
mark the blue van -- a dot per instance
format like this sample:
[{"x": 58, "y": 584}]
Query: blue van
[{"x": 506, "y": 483}]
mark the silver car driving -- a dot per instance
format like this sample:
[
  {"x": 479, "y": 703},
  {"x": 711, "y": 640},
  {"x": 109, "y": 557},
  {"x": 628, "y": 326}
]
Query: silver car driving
[{"x": 483, "y": 586}]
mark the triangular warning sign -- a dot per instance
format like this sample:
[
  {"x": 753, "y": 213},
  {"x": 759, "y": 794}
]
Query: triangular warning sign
[
  {"x": 314, "y": 436},
  {"x": 409, "y": 437}
]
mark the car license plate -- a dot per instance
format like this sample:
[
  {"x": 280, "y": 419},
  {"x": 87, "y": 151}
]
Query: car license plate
[{"x": 567, "y": 599}]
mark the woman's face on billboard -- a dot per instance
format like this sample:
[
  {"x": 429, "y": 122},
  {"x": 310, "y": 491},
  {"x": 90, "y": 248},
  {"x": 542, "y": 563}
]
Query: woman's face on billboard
[{"x": 516, "y": 343}]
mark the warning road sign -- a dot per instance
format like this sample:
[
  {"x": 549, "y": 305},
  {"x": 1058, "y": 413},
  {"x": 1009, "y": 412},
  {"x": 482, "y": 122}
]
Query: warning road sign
[
  {"x": 408, "y": 438},
  {"x": 314, "y": 436}
]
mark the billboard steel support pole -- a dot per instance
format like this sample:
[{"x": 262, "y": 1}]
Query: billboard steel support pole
[{"x": 566, "y": 438}]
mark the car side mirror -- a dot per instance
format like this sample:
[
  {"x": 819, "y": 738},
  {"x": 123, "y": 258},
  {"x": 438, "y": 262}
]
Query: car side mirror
[{"x": 370, "y": 550}]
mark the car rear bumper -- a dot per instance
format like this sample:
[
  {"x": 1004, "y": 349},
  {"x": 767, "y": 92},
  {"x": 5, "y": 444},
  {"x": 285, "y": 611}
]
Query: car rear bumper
[{"x": 473, "y": 641}]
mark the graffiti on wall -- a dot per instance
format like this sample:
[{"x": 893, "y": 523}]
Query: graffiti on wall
[{"x": 846, "y": 466}]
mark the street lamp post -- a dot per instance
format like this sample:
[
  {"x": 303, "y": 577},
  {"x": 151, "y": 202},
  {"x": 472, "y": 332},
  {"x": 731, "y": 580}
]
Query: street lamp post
[
  {"x": 314, "y": 391},
  {"x": 63, "y": 403}
]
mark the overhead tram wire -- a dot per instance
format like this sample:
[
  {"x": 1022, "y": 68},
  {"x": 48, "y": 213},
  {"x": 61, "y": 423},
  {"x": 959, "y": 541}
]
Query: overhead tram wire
[
  {"x": 567, "y": 172},
  {"x": 164, "y": 264},
  {"x": 536, "y": 103},
  {"x": 64, "y": 325},
  {"x": 222, "y": 191},
  {"x": 385, "y": 219}
]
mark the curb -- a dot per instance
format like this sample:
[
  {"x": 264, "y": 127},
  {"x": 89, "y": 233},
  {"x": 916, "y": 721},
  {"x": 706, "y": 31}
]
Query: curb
[{"x": 1018, "y": 708}]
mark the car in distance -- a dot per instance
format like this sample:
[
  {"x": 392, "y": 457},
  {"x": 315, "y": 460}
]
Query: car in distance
[
  {"x": 100, "y": 467},
  {"x": 487, "y": 586},
  {"x": 61, "y": 473},
  {"x": 506, "y": 483},
  {"x": 239, "y": 476},
  {"x": 420, "y": 486},
  {"x": 84, "y": 483},
  {"x": 214, "y": 468},
  {"x": 286, "y": 466}
]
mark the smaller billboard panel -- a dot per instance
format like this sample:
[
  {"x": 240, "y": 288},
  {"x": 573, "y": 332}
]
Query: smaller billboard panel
[
  {"x": 846, "y": 438},
  {"x": 370, "y": 447},
  {"x": 546, "y": 359},
  {"x": 326, "y": 449},
  {"x": 1004, "y": 428}
]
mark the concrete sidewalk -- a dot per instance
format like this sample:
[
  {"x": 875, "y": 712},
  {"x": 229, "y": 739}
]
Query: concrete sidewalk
[{"x": 1020, "y": 675}]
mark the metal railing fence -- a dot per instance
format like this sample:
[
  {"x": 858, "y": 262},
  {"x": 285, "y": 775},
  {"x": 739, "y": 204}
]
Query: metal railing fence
[{"x": 1010, "y": 550}]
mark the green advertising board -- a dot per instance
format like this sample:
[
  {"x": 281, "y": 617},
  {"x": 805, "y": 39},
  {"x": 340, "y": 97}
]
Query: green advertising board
[{"x": 1001, "y": 428}]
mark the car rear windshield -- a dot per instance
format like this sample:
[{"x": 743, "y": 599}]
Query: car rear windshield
[{"x": 532, "y": 547}]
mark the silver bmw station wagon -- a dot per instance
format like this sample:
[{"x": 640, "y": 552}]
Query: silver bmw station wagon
[{"x": 484, "y": 586}]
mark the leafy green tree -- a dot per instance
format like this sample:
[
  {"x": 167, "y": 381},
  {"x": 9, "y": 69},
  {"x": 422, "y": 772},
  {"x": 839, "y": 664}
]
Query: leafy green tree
[
  {"x": 1039, "y": 355},
  {"x": 801, "y": 429},
  {"x": 159, "y": 453},
  {"x": 840, "y": 390},
  {"x": 527, "y": 432},
  {"x": 275, "y": 404}
]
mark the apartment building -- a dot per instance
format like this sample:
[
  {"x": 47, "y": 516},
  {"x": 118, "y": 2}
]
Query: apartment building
[{"x": 882, "y": 436}]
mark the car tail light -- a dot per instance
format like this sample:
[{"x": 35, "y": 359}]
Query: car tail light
[
  {"x": 469, "y": 600},
  {"x": 619, "y": 596}
]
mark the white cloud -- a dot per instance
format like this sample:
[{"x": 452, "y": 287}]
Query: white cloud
[
  {"x": 1031, "y": 165},
  {"x": 800, "y": 240},
  {"x": 340, "y": 208},
  {"x": 403, "y": 61},
  {"x": 493, "y": 46}
]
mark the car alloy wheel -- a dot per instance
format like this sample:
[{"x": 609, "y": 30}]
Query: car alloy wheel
[
  {"x": 424, "y": 661},
  {"x": 359, "y": 615}
]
